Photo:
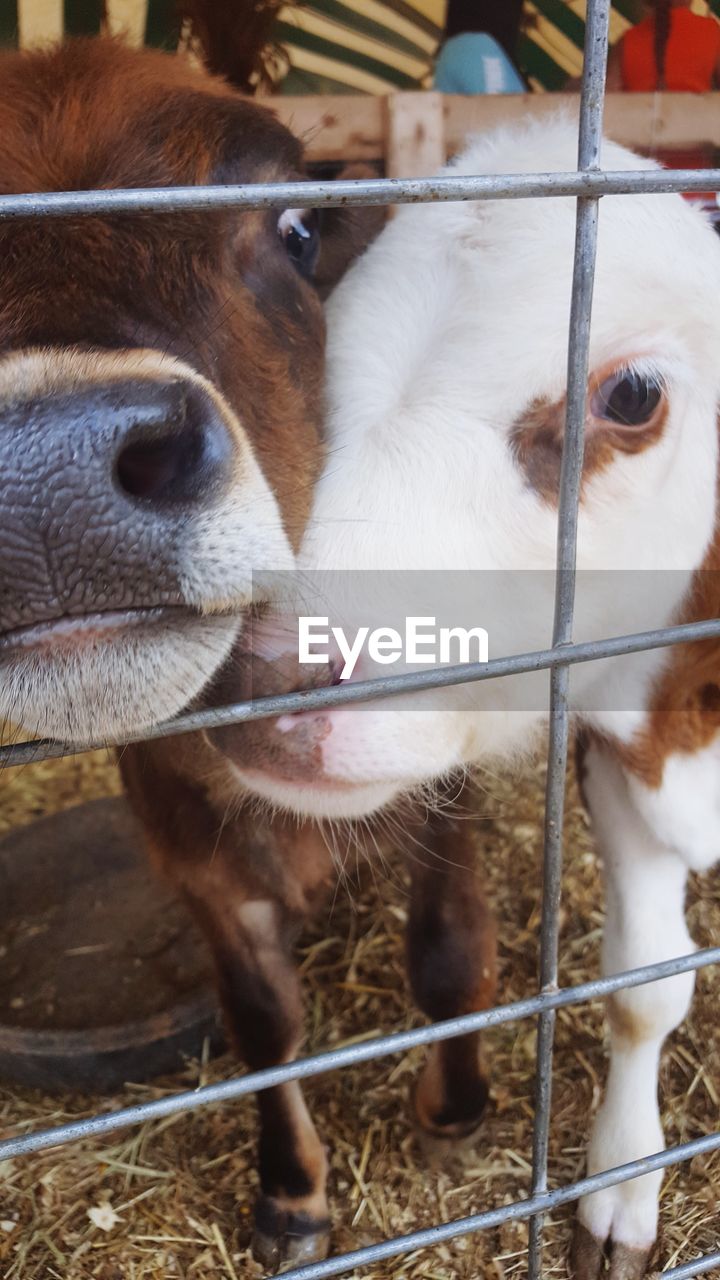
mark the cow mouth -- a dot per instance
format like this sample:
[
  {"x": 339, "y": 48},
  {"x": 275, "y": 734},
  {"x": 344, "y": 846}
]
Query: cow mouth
[
  {"x": 104, "y": 675},
  {"x": 74, "y": 631}
]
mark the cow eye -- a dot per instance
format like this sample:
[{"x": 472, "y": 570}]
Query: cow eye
[
  {"x": 298, "y": 231},
  {"x": 628, "y": 398}
]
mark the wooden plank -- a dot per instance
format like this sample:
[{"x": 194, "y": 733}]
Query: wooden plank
[
  {"x": 415, "y": 138},
  {"x": 643, "y": 120},
  {"x": 39, "y": 21},
  {"x": 127, "y": 18},
  {"x": 349, "y": 127},
  {"x": 663, "y": 120},
  {"x": 342, "y": 127}
]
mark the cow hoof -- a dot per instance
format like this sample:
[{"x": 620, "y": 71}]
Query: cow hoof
[
  {"x": 439, "y": 1141},
  {"x": 284, "y": 1239},
  {"x": 442, "y": 1124},
  {"x": 588, "y": 1254},
  {"x": 438, "y": 1147}
]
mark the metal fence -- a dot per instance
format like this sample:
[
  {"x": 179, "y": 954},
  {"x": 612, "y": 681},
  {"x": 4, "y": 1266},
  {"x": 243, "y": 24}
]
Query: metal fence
[{"x": 588, "y": 184}]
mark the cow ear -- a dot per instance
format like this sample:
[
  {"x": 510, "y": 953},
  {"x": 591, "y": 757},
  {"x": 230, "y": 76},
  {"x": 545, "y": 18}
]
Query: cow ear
[{"x": 345, "y": 233}]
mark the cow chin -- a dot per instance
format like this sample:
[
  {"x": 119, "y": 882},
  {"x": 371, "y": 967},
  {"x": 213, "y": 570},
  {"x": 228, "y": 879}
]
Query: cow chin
[
  {"x": 317, "y": 798},
  {"x": 346, "y": 763},
  {"x": 112, "y": 687}
]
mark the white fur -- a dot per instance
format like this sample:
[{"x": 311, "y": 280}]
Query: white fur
[
  {"x": 645, "y": 882},
  {"x": 685, "y": 810}
]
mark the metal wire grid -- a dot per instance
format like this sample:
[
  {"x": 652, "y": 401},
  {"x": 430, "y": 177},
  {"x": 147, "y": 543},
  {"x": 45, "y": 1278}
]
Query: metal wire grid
[{"x": 588, "y": 184}]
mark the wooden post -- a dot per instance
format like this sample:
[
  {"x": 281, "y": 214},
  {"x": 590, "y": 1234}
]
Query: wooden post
[
  {"x": 39, "y": 21},
  {"x": 415, "y": 135}
]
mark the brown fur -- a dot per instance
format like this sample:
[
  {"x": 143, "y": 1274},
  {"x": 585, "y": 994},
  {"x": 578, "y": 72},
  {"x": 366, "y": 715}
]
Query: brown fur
[
  {"x": 95, "y": 114},
  {"x": 250, "y": 882},
  {"x": 452, "y": 957},
  {"x": 684, "y": 708},
  {"x": 685, "y": 704}
]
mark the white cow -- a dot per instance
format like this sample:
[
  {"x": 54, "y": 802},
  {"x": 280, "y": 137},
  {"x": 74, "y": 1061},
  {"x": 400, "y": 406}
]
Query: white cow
[{"x": 447, "y": 373}]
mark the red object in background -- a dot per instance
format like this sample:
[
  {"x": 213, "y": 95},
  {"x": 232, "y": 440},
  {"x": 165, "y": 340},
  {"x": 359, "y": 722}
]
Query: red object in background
[{"x": 691, "y": 56}]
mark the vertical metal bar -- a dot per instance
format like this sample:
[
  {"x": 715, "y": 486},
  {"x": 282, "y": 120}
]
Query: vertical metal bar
[{"x": 589, "y": 142}]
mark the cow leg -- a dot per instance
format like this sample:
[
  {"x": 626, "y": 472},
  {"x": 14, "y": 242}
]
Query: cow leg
[
  {"x": 248, "y": 882},
  {"x": 260, "y": 994},
  {"x": 451, "y": 945},
  {"x": 645, "y": 881}
]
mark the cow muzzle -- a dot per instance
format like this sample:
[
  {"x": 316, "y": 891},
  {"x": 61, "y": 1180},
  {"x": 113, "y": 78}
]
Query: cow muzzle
[{"x": 129, "y": 497}]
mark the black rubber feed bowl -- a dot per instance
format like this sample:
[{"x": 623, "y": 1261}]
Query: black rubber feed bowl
[{"x": 103, "y": 976}]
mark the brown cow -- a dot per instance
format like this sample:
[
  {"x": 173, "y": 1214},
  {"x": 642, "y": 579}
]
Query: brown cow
[
  {"x": 159, "y": 440},
  {"x": 193, "y": 346}
]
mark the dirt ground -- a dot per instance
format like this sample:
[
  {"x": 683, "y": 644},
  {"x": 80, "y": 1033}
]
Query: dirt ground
[{"x": 174, "y": 1198}]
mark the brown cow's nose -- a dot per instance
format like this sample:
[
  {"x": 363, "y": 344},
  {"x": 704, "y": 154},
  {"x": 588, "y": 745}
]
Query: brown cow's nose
[
  {"x": 175, "y": 449},
  {"x": 100, "y": 489}
]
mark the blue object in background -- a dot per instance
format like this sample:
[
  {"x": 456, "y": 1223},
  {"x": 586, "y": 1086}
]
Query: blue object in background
[{"x": 474, "y": 62}]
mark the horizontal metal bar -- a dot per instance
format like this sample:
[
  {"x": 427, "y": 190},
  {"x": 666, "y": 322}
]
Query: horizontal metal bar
[
  {"x": 389, "y": 686},
  {"x": 370, "y": 191},
  {"x": 516, "y": 1212},
  {"x": 697, "y": 1268},
  {"x": 364, "y": 1051}
]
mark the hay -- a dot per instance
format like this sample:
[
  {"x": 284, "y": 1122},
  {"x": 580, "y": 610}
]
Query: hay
[{"x": 173, "y": 1199}]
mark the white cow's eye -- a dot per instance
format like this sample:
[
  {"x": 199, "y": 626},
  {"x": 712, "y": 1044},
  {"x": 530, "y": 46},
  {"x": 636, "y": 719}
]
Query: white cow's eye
[
  {"x": 628, "y": 398},
  {"x": 298, "y": 231}
]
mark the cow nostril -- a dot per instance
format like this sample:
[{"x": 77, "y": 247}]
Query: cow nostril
[
  {"x": 152, "y": 468},
  {"x": 179, "y": 457}
]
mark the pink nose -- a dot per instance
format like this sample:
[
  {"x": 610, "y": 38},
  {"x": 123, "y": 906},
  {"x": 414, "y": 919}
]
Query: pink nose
[
  {"x": 265, "y": 663},
  {"x": 289, "y": 747}
]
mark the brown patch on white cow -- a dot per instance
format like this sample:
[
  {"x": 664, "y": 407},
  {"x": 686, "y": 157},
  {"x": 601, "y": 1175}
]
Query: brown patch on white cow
[
  {"x": 684, "y": 710},
  {"x": 537, "y": 440}
]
